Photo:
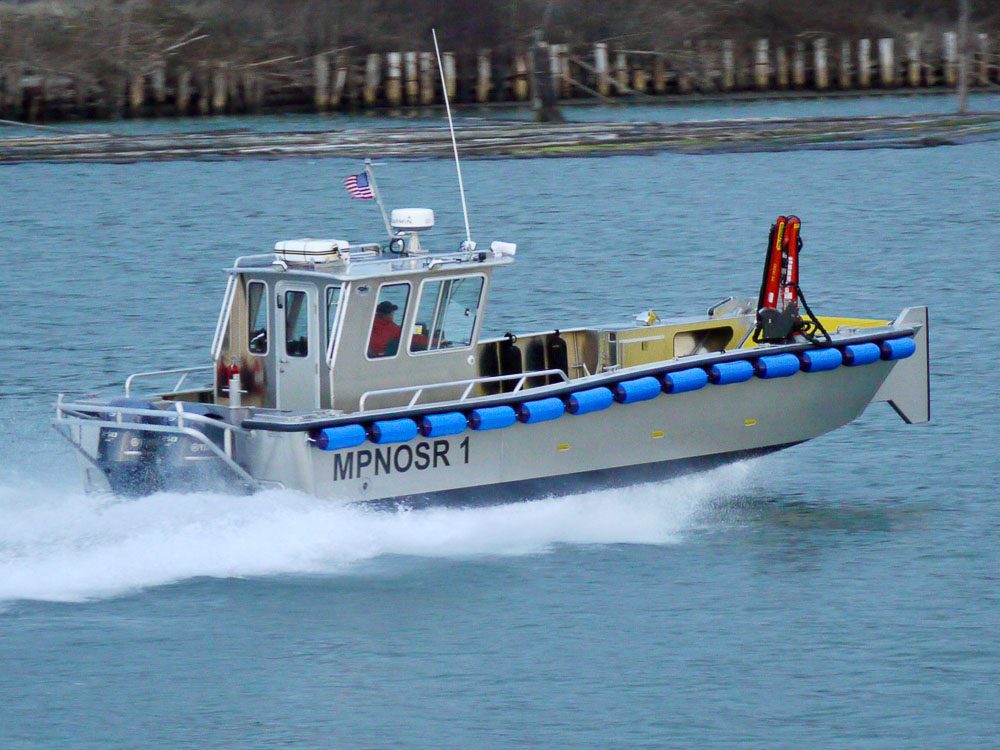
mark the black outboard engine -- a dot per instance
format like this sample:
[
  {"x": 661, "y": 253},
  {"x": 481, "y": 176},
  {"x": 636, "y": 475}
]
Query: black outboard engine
[{"x": 126, "y": 453}]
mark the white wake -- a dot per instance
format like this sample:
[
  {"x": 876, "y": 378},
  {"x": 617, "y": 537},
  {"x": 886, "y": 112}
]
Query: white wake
[{"x": 68, "y": 546}]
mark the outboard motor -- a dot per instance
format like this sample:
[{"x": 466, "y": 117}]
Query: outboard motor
[
  {"x": 126, "y": 456},
  {"x": 185, "y": 462}
]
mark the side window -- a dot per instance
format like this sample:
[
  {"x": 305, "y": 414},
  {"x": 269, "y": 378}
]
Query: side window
[
  {"x": 257, "y": 317},
  {"x": 296, "y": 324},
  {"x": 447, "y": 314},
  {"x": 332, "y": 301},
  {"x": 390, "y": 311}
]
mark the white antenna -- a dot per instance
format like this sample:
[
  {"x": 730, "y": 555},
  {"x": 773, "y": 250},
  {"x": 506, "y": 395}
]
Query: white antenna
[{"x": 454, "y": 145}]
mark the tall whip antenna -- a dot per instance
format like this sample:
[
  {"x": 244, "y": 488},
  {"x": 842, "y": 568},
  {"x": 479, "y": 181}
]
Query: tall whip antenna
[{"x": 454, "y": 145}]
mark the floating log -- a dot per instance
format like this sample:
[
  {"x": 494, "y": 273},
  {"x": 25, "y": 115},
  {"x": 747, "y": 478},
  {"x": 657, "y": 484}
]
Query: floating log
[{"x": 519, "y": 139}]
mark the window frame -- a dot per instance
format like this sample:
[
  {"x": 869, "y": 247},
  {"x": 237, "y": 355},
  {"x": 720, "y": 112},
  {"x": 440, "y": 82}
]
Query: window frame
[
  {"x": 303, "y": 310},
  {"x": 266, "y": 300},
  {"x": 331, "y": 331},
  {"x": 475, "y": 327},
  {"x": 402, "y": 324}
]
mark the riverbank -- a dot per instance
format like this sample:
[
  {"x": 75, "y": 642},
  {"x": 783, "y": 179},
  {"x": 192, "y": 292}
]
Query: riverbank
[{"x": 518, "y": 139}]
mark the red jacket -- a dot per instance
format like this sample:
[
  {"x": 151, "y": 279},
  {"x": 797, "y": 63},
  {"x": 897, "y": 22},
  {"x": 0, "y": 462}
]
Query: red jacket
[{"x": 384, "y": 333}]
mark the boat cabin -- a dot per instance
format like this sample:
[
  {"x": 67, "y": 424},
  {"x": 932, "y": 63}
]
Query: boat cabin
[{"x": 330, "y": 325}]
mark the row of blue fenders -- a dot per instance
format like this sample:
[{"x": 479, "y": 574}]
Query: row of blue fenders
[{"x": 624, "y": 392}]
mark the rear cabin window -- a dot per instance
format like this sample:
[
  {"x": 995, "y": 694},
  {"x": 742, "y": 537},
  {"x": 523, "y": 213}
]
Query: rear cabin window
[
  {"x": 446, "y": 316},
  {"x": 257, "y": 317},
  {"x": 296, "y": 324},
  {"x": 390, "y": 311}
]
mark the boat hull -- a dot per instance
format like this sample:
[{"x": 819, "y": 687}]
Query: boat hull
[{"x": 705, "y": 427}]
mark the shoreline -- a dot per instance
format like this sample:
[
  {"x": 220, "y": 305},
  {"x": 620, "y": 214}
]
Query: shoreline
[{"x": 517, "y": 139}]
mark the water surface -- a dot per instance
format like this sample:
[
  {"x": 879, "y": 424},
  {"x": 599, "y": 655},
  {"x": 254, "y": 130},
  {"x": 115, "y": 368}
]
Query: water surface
[{"x": 840, "y": 594}]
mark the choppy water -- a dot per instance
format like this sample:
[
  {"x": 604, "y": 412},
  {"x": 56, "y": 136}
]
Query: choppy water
[{"x": 841, "y": 594}]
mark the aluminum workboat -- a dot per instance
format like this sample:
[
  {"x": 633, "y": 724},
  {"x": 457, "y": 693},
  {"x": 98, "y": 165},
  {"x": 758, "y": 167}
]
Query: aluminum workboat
[{"x": 357, "y": 371}]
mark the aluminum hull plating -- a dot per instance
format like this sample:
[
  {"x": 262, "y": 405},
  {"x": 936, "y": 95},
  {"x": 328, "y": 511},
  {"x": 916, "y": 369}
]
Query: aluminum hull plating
[{"x": 732, "y": 420}]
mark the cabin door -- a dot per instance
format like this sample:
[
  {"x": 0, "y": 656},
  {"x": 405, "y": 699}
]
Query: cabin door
[{"x": 299, "y": 347}]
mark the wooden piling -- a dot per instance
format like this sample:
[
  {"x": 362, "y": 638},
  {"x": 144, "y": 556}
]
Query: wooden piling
[
  {"x": 158, "y": 83},
  {"x": 203, "y": 85},
  {"x": 253, "y": 91},
  {"x": 428, "y": 89},
  {"x": 983, "y": 66},
  {"x": 412, "y": 81},
  {"x": 864, "y": 63},
  {"x": 341, "y": 88},
  {"x": 621, "y": 71},
  {"x": 913, "y": 77},
  {"x": 484, "y": 73},
  {"x": 394, "y": 78},
  {"x": 821, "y": 74},
  {"x": 685, "y": 77},
  {"x": 761, "y": 65},
  {"x": 136, "y": 94},
  {"x": 220, "y": 89},
  {"x": 950, "y": 43},
  {"x": 844, "y": 71},
  {"x": 321, "y": 82},
  {"x": 182, "y": 101},
  {"x": 659, "y": 74},
  {"x": 450, "y": 75},
  {"x": 781, "y": 66},
  {"x": 601, "y": 66},
  {"x": 640, "y": 76},
  {"x": 799, "y": 65},
  {"x": 728, "y": 65},
  {"x": 373, "y": 78},
  {"x": 886, "y": 62},
  {"x": 521, "y": 92}
]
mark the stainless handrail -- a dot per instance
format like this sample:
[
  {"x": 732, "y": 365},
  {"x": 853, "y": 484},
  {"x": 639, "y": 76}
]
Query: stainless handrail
[
  {"x": 182, "y": 371},
  {"x": 470, "y": 383}
]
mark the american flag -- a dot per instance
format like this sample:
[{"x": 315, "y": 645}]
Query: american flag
[{"x": 357, "y": 185}]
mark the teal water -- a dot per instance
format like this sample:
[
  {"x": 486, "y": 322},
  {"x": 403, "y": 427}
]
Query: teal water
[{"x": 843, "y": 593}]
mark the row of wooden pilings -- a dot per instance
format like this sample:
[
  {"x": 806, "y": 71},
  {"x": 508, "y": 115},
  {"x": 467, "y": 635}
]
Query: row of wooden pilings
[{"x": 333, "y": 81}]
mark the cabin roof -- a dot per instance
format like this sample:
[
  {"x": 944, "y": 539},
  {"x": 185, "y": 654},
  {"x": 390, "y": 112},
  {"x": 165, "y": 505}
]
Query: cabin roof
[{"x": 370, "y": 264}]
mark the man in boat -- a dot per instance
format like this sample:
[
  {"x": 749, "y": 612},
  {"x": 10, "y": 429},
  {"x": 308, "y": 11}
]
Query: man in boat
[{"x": 384, "y": 340}]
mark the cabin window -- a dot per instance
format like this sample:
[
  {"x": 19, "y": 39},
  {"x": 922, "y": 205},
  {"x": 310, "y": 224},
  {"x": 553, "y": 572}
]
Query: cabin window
[
  {"x": 332, "y": 303},
  {"x": 390, "y": 312},
  {"x": 446, "y": 316},
  {"x": 296, "y": 324},
  {"x": 257, "y": 317}
]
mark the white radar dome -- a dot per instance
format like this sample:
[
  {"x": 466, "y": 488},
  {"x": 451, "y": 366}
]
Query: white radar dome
[{"x": 412, "y": 219}]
